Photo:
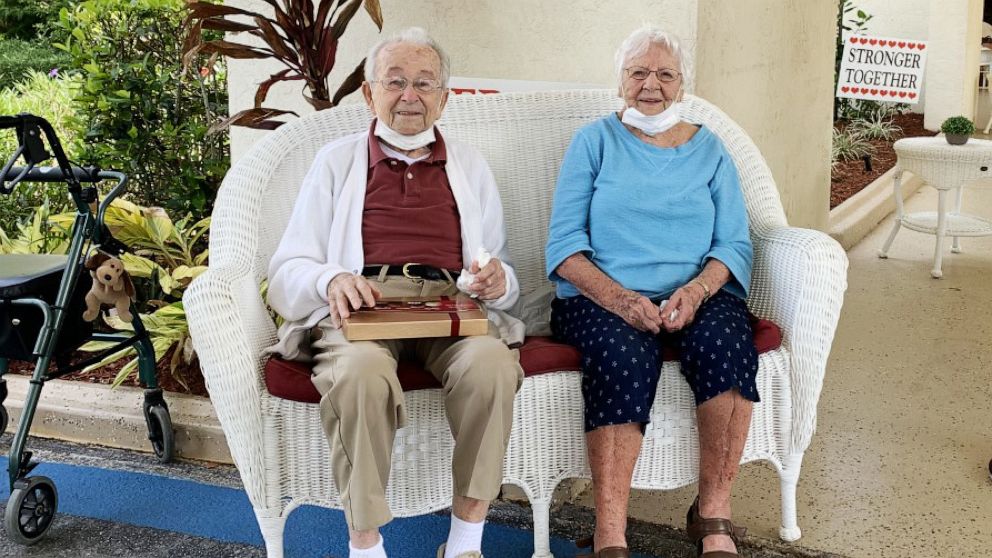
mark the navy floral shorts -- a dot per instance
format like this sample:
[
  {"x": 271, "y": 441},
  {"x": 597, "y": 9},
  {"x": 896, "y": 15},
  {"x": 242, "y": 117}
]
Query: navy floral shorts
[{"x": 621, "y": 365}]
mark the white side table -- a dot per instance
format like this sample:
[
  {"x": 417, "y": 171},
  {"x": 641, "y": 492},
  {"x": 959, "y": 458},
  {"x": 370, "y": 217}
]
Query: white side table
[{"x": 945, "y": 167}]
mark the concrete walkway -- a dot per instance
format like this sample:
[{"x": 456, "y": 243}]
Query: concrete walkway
[{"x": 898, "y": 464}]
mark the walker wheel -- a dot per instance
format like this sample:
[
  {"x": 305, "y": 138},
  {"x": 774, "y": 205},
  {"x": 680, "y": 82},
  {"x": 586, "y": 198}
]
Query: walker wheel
[
  {"x": 160, "y": 432},
  {"x": 30, "y": 509},
  {"x": 4, "y": 419}
]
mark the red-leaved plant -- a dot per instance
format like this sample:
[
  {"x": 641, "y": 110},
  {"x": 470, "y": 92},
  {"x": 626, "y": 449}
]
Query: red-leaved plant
[{"x": 300, "y": 35}]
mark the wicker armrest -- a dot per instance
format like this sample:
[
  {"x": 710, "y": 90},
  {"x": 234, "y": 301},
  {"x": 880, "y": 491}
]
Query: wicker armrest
[
  {"x": 219, "y": 311},
  {"x": 798, "y": 281}
]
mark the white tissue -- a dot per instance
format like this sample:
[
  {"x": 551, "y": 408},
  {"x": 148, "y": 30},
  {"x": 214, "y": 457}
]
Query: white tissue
[
  {"x": 673, "y": 315},
  {"x": 466, "y": 278}
]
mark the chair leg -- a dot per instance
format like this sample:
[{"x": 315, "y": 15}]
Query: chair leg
[
  {"x": 956, "y": 243},
  {"x": 542, "y": 528},
  {"x": 938, "y": 250},
  {"x": 272, "y": 525},
  {"x": 789, "y": 531},
  {"x": 884, "y": 251}
]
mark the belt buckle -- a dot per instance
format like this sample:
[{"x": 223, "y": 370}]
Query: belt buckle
[{"x": 407, "y": 273}]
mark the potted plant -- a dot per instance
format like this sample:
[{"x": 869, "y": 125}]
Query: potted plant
[{"x": 957, "y": 129}]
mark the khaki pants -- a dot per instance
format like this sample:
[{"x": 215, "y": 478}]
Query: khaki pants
[{"x": 362, "y": 405}]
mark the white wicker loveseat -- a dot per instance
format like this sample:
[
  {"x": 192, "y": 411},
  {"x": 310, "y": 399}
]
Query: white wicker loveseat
[{"x": 798, "y": 282}]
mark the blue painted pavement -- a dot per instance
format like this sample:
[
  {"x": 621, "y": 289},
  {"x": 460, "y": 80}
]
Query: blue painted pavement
[{"x": 225, "y": 514}]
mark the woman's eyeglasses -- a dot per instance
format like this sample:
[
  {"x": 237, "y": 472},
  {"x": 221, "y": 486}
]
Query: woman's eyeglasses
[{"x": 665, "y": 75}]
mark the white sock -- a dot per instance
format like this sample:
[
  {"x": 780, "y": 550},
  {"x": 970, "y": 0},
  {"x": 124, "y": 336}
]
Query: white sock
[
  {"x": 377, "y": 551},
  {"x": 463, "y": 537}
]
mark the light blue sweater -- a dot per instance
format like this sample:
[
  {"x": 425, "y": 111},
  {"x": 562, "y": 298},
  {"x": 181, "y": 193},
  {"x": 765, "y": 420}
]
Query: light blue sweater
[{"x": 649, "y": 217}]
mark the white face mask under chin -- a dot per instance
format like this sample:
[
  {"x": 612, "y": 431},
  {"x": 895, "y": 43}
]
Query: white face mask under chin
[
  {"x": 402, "y": 141},
  {"x": 653, "y": 125}
]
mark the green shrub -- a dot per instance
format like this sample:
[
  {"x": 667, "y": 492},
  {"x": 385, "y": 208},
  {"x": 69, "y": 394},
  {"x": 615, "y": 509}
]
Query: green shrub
[
  {"x": 850, "y": 145},
  {"x": 50, "y": 98},
  {"x": 877, "y": 126},
  {"x": 18, "y": 58},
  {"x": 36, "y": 233},
  {"x": 144, "y": 115},
  {"x": 959, "y": 125},
  {"x": 167, "y": 256},
  {"x": 29, "y": 19}
]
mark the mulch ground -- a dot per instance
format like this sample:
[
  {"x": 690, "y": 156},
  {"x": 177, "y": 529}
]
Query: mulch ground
[
  {"x": 850, "y": 177},
  {"x": 188, "y": 373}
]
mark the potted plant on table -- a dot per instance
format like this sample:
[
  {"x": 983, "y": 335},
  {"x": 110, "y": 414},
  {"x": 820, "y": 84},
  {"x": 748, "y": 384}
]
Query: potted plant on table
[{"x": 957, "y": 129}]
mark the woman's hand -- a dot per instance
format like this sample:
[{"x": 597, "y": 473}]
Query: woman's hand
[
  {"x": 347, "y": 292},
  {"x": 683, "y": 304},
  {"x": 490, "y": 281},
  {"x": 638, "y": 311}
]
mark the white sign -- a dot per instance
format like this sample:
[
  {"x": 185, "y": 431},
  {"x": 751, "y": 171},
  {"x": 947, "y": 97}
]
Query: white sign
[{"x": 882, "y": 69}]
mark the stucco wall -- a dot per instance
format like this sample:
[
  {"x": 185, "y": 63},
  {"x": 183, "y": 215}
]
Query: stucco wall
[
  {"x": 553, "y": 40},
  {"x": 905, "y": 19},
  {"x": 952, "y": 64},
  {"x": 769, "y": 65}
]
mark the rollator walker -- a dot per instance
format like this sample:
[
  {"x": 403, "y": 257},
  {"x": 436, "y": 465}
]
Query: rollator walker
[{"x": 42, "y": 299}]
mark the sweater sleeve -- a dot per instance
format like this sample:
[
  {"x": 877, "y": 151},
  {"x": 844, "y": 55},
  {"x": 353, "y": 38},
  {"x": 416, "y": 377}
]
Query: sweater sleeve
[
  {"x": 494, "y": 231},
  {"x": 299, "y": 271},
  {"x": 568, "y": 231},
  {"x": 731, "y": 243}
]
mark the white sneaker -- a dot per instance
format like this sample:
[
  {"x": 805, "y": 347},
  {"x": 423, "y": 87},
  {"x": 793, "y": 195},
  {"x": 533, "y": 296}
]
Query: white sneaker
[{"x": 470, "y": 554}]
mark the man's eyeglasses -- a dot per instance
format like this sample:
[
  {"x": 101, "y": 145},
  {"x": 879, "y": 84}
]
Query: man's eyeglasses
[
  {"x": 421, "y": 85},
  {"x": 665, "y": 75}
]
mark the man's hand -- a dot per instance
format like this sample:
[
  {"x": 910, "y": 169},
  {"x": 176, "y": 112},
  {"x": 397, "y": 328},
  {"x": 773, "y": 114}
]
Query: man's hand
[
  {"x": 347, "y": 292},
  {"x": 490, "y": 281},
  {"x": 638, "y": 311},
  {"x": 686, "y": 300}
]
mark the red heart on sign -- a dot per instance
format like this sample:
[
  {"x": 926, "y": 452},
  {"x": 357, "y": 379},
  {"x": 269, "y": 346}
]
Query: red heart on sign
[
  {"x": 921, "y": 46},
  {"x": 901, "y": 44},
  {"x": 892, "y": 43},
  {"x": 912, "y": 95},
  {"x": 864, "y": 90},
  {"x": 902, "y": 93},
  {"x": 844, "y": 89},
  {"x": 883, "y": 92},
  {"x": 854, "y": 39},
  {"x": 873, "y": 42},
  {"x": 874, "y": 91},
  {"x": 863, "y": 40}
]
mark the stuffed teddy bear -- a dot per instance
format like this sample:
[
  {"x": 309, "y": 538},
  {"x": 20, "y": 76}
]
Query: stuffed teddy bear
[{"x": 111, "y": 285}]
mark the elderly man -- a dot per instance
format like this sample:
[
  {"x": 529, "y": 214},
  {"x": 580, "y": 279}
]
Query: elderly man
[{"x": 400, "y": 210}]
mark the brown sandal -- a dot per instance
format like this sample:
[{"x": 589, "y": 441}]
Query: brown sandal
[
  {"x": 699, "y": 528},
  {"x": 608, "y": 552}
]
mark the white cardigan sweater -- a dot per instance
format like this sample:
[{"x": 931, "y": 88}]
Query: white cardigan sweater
[{"x": 324, "y": 235}]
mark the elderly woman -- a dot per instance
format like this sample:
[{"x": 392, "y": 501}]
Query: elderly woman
[{"x": 648, "y": 245}]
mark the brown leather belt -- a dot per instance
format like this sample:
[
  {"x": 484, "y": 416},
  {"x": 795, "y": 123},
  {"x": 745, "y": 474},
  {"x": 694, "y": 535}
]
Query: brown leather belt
[{"x": 411, "y": 271}]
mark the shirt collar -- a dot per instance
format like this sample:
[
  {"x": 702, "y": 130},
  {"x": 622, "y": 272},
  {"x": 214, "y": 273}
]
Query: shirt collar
[{"x": 438, "y": 154}]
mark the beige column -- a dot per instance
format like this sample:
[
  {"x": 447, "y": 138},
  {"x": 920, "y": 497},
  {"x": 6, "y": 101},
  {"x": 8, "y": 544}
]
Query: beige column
[
  {"x": 952, "y": 62},
  {"x": 769, "y": 65}
]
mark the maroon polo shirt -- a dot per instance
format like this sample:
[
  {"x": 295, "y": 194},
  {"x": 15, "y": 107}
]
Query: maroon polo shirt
[{"x": 410, "y": 213}]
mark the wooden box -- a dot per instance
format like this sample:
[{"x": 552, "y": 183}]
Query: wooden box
[{"x": 411, "y": 317}]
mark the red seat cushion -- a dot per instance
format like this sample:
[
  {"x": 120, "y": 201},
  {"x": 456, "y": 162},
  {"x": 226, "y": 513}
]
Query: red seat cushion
[{"x": 289, "y": 379}]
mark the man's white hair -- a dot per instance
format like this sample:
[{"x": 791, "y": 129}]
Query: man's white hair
[
  {"x": 638, "y": 42},
  {"x": 414, "y": 35}
]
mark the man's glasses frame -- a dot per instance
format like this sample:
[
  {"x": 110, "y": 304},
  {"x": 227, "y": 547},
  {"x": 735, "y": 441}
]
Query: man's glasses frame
[{"x": 420, "y": 85}]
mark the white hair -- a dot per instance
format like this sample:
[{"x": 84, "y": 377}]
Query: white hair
[
  {"x": 638, "y": 42},
  {"x": 414, "y": 35}
]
